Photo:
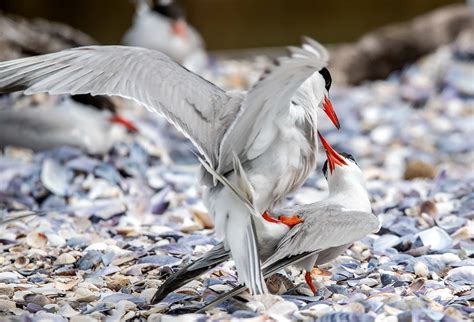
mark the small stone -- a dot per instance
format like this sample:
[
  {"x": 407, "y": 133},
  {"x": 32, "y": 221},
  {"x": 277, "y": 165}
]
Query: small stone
[
  {"x": 37, "y": 299},
  {"x": 429, "y": 207},
  {"x": 419, "y": 169},
  {"x": 202, "y": 217}
]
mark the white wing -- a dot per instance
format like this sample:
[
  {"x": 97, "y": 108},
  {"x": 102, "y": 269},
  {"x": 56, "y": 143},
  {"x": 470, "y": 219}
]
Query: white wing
[
  {"x": 269, "y": 98},
  {"x": 324, "y": 227},
  {"x": 192, "y": 104}
]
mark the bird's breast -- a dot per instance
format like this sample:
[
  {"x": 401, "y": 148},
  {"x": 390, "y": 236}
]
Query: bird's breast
[{"x": 285, "y": 163}]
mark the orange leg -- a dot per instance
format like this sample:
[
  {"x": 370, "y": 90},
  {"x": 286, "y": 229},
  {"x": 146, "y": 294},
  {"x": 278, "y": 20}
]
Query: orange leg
[
  {"x": 289, "y": 221},
  {"x": 309, "y": 281}
]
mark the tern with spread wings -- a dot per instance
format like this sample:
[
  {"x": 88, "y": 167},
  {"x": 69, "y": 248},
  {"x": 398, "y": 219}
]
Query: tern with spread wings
[{"x": 271, "y": 128}]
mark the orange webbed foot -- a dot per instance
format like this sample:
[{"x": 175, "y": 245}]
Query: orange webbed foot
[
  {"x": 290, "y": 221},
  {"x": 269, "y": 218}
]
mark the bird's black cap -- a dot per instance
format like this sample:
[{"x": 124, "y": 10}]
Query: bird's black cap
[
  {"x": 327, "y": 78},
  {"x": 168, "y": 8}
]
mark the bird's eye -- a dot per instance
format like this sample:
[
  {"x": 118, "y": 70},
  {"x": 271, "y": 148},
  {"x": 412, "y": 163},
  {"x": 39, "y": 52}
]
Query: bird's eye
[
  {"x": 327, "y": 78},
  {"x": 348, "y": 156}
]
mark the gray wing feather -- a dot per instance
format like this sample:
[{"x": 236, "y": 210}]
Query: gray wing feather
[
  {"x": 269, "y": 97},
  {"x": 267, "y": 272},
  {"x": 323, "y": 228},
  {"x": 192, "y": 104},
  {"x": 211, "y": 259}
]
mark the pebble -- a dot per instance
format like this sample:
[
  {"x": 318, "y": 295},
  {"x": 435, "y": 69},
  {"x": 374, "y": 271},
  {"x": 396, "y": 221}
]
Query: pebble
[{"x": 419, "y": 169}]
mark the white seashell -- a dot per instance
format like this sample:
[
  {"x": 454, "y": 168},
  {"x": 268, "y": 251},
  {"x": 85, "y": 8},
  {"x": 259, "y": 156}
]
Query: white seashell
[
  {"x": 449, "y": 258},
  {"x": 65, "y": 285},
  {"x": 36, "y": 239},
  {"x": 443, "y": 294},
  {"x": 421, "y": 269},
  {"x": 84, "y": 318},
  {"x": 386, "y": 241},
  {"x": 6, "y": 290},
  {"x": 7, "y": 305},
  {"x": 383, "y": 134},
  {"x": 65, "y": 259},
  {"x": 406, "y": 277},
  {"x": 283, "y": 308},
  {"x": 320, "y": 309},
  {"x": 436, "y": 238},
  {"x": 85, "y": 295},
  {"x": 462, "y": 275},
  {"x": 55, "y": 240},
  {"x": 67, "y": 311},
  {"x": 464, "y": 233},
  {"x": 55, "y": 177}
]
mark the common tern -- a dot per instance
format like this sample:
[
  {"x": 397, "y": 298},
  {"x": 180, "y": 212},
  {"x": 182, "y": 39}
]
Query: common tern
[
  {"x": 271, "y": 128},
  {"x": 64, "y": 123},
  {"x": 161, "y": 25},
  {"x": 318, "y": 221},
  {"x": 328, "y": 227}
]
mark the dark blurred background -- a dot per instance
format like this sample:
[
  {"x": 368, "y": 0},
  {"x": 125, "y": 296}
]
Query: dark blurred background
[{"x": 234, "y": 24}]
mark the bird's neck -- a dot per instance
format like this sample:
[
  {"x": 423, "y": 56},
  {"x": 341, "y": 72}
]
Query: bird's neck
[{"x": 351, "y": 194}]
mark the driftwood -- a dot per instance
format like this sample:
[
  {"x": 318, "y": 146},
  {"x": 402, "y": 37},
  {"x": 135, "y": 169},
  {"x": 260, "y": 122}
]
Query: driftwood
[
  {"x": 20, "y": 37},
  {"x": 388, "y": 49}
]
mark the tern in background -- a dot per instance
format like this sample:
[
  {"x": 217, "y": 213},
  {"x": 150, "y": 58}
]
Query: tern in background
[
  {"x": 347, "y": 206},
  {"x": 271, "y": 128},
  {"x": 161, "y": 25},
  {"x": 67, "y": 123}
]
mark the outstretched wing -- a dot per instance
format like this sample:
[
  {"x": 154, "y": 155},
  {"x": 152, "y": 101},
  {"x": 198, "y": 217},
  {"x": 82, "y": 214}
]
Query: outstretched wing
[
  {"x": 148, "y": 77},
  {"x": 269, "y": 98},
  {"x": 323, "y": 228}
]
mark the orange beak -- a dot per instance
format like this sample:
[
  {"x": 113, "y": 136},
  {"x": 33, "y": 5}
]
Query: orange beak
[
  {"x": 327, "y": 107},
  {"x": 124, "y": 122},
  {"x": 179, "y": 28},
  {"x": 333, "y": 157}
]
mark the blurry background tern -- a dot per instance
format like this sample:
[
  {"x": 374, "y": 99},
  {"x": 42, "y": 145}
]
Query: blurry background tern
[{"x": 161, "y": 25}]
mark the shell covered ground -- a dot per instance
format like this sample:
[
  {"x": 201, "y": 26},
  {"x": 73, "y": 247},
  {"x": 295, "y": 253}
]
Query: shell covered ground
[{"x": 109, "y": 229}]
